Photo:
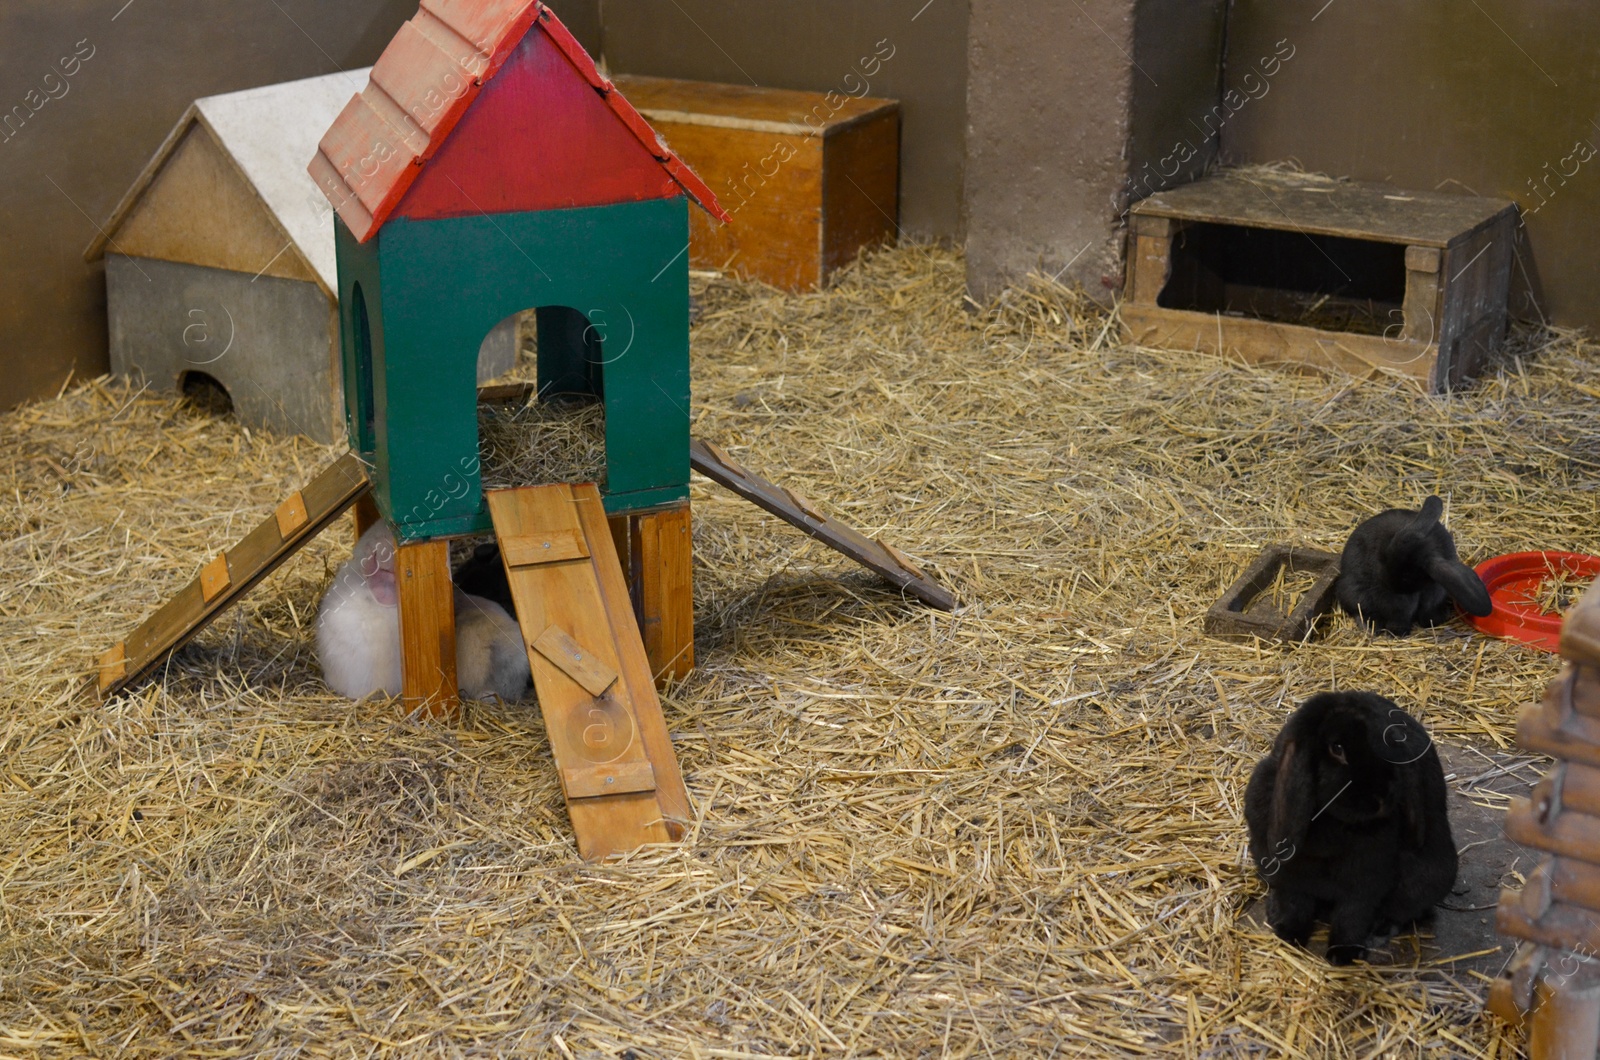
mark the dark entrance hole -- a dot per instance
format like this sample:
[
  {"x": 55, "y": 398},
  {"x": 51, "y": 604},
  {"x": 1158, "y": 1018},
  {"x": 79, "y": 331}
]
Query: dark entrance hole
[
  {"x": 1334, "y": 283},
  {"x": 205, "y": 394}
]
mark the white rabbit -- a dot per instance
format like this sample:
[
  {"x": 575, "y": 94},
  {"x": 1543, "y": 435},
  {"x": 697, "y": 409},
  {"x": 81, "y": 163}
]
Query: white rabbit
[
  {"x": 491, "y": 659},
  {"x": 358, "y": 631},
  {"x": 358, "y": 622}
]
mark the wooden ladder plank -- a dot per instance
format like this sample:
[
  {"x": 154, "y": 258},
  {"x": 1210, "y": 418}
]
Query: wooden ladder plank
[
  {"x": 610, "y": 749},
  {"x": 233, "y": 573},
  {"x": 878, "y": 556}
]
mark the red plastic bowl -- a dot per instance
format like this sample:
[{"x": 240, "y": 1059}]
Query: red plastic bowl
[{"x": 1513, "y": 582}]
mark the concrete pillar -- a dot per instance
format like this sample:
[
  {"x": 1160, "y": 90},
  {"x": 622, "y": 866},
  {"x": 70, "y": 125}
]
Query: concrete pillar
[{"x": 1076, "y": 109}]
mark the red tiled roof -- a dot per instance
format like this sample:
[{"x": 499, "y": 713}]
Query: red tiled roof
[{"x": 420, "y": 89}]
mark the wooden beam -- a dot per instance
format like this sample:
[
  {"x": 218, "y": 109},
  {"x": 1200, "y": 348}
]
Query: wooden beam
[
  {"x": 656, "y": 552},
  {"x": 427, "y": 628}
]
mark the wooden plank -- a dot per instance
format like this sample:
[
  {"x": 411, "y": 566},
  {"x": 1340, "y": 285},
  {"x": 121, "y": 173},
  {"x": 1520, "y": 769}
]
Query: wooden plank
[
  {"x": 1422, "y": 305},
  {"x": 663, "y": 551},
  {"x": 427, "y": 628},
  {"x": 574, "y": 660},
  {"x": 326, "y": 497},
  {"x": 836, "y": 535},
  {"x": 291, "y": 515},
  {"x": 1149, "y": 268},
  {"x": 505, "y": 393},
  {"x": 801, "y": 502},
  {"x": 671, "y": 796},
  {"x": 548, "y": 546},
  {"x": 1321, "y": 207},
  {"x": 585, "y": 730},
  {"x": 746, "y": 107},
  {"x": 214, "y": 579},
  {"x": 113, "y": 665},
  {"x": 1271, "y": 342}
]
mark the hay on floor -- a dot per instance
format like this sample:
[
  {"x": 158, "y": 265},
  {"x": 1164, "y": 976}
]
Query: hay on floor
[{"x": 1009, "y": 831}]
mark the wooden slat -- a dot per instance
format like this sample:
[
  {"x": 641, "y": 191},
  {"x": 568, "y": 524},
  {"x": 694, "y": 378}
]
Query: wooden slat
[
  {"x": 670, "y": 101},
  {"x": 113, "y": 665},
  {"x": 214, "y": 579},
  {"x": 800, "y": 501},
  {"x": 291, "y": 515},
  {"x": 574, "y": 660},
  {"x": 1273, "y": 342},
  {"x": 505, "y": 393},
  {"x": 671, "y": 796},
  {"x": 427, "y": 628},
  {"x": 549, "y": 546},
  {"x": 657, "y": 556},
  {"x": 587, "y": 731},
  {"x": 1346, "y": 208},
  {"x": 895, "y": 566},
  {"x": 257, "y": 555},
  {"x": 619, "y": 778}
]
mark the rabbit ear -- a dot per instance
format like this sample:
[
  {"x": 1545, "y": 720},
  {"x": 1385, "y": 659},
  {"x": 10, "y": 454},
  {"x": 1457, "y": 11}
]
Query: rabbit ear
[
  {"x": 1463, "y": 585},
  {"x": 1432, "y": 509},
  {"x": 1408, "y": 790},
  {"x": 383, "y": 587},
  {"x": 1292, "y": 793}
]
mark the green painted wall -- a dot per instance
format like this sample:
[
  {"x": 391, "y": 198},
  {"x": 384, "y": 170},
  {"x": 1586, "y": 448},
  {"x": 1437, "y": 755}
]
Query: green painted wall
[{"x": 434, "y": 288}]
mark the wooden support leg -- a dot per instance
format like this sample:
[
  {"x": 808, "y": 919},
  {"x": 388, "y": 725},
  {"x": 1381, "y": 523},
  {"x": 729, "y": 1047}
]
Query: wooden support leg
[
  {"x": 427, "y": 628},
  {"x": 658, "y": 559},
  {"x": 1565, "y": 1023},
  {"x": 365, "y": 513}
]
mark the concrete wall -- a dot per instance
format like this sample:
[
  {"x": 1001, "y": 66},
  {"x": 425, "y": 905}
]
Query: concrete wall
[
  {"x": 1497, "y": 97},
  {"x": 99, "y": 85},
  {"x": 818, "y": 45},
  {"x": 1074, "y": 110}
]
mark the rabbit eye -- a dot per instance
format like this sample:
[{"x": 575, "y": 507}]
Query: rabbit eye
[{"x": 1336, "y": 752}]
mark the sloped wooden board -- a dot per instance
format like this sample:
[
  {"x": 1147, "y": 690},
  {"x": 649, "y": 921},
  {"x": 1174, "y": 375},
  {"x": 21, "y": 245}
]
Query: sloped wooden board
[
  {"x": 878, "y": 556},
  {"x": 231, "y": 574},
  {"x": 614, "y": 757}
]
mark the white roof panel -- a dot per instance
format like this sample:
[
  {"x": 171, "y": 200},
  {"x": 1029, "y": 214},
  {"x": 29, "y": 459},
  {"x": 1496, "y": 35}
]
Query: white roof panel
[{"x": 270, "y": 132}]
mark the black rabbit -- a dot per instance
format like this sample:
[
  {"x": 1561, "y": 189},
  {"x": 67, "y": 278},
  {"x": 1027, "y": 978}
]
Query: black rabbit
[
  {"x": 1348, "y": 822},
  {"x": 482, "y": 574},
  {"x": 1399, "y": 568}
]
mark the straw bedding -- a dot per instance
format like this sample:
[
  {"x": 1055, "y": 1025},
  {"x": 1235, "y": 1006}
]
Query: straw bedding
[{"x": 1010, "y": 831}]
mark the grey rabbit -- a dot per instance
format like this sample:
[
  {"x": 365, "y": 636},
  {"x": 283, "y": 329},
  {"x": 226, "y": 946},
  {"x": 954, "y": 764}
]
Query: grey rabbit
[
  {"x": 1400, "y": 569},
  {"x": 1348, "y": 822}
]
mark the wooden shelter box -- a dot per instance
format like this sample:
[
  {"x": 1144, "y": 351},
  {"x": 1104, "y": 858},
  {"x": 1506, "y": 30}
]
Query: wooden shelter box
[
  {"x": 220, "y": 261},
  {"x": 809, "y": 179},
  {"x": 1285, "y": 267}
]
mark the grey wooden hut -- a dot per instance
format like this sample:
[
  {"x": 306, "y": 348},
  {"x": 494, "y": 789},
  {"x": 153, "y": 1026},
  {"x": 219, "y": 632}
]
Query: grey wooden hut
[{"x": 220, "y": 260}]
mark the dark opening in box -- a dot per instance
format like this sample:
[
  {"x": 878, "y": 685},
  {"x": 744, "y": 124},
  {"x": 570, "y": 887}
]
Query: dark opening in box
[{"x": 1329, "y": 282}]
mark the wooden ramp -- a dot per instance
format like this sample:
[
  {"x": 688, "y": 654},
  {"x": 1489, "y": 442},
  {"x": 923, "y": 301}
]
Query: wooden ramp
[
  {"x": 878, "y": 556},
  {"x": 231, "y": 574},
  {"x": 615, "y": 760}
]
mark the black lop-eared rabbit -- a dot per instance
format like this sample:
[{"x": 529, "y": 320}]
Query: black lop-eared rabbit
[
  {"x": 1400, "y": 569},
  {"x": 483, "y": 574},
  {"x": 1348, "y": 823}
]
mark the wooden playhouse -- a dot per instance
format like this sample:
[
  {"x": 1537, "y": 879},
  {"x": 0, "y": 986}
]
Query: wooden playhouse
[
  {"x": 487, "y": 169},
  {"x": 220, "y": 261}
]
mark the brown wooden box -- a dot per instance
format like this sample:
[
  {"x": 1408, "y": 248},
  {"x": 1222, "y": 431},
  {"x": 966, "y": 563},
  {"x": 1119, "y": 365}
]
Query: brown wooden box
[
  {"x": 1285, "y": 267},
  {"x": 809, "y": 178}
]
